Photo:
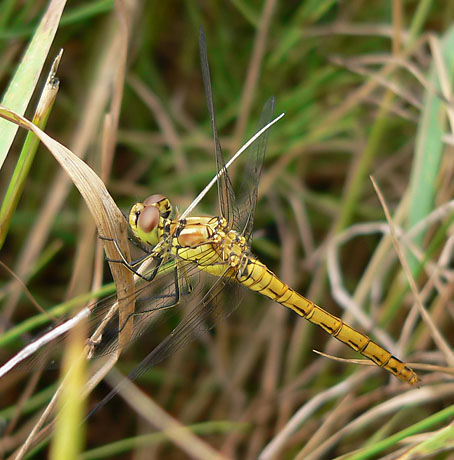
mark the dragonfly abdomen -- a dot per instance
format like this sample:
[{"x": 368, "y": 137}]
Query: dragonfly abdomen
[{"x": 257, "y": 277}]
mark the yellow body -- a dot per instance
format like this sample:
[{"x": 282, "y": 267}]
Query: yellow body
[
  {"x": 216, "y": 249},
  {"x": 260, "y": 279}
]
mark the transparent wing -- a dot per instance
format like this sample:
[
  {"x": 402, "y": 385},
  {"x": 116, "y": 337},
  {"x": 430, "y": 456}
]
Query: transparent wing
[
  {"x": 153, "y": 306},
  {"x": 252, "y": 172},
  {"x": 226, "y": 195},
  {"x": 168, "y": 294},
  {"x": 200, "y": 319}
]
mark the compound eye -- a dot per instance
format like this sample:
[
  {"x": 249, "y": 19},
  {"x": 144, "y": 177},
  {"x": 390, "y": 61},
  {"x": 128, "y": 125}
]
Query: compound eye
[
  {"x": 148, "y": 219},
  {"x": 154, "y": 199}
]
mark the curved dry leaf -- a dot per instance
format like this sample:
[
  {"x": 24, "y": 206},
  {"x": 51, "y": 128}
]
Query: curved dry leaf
[{"x": 108, "y": 217}]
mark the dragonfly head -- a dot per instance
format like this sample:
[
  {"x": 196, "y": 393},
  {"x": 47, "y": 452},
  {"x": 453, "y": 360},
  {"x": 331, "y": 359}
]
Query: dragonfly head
[{"x": 145, "y": 219}]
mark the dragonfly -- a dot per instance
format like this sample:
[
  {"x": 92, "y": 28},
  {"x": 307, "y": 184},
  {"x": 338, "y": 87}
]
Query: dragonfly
[
  {"x": 220, "y": 246},
  {"x": 182, "y": 249}
]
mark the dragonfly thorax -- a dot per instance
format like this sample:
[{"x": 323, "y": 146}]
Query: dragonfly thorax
[{"x": 210, "y": 243}]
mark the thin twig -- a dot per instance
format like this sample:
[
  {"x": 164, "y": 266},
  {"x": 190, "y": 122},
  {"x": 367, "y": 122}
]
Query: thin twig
[{"x": 436, "y": 335}]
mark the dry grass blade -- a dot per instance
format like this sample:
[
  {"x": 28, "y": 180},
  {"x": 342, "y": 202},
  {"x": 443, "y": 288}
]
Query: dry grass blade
[
  {"x": 108, "y": 218},
  {"x": 361, "y": 362},
  {"x": 253, "y": 72},
  {"x": 436, "y": 335},
  {"x": 338, "y": 288},
  {"x": 279, "y": 441},
  {"x": 150, "y": 411},
  {"x": 410, "y": 398},
  {"x": 328, "y": 425}
]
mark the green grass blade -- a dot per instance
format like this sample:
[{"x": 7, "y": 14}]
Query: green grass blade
[
  {"x": 391, "y": 441},
  {"x": 22, "y": 86},
  {"x": 429, "y": 144},
  {"x": 27, "y": 154},
  {"x": 67, "y": 440}
]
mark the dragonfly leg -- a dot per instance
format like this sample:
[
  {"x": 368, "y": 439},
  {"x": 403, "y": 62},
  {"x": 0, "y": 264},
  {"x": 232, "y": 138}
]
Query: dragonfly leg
[
  {"x": 174, "y": 296},
  {"x": 123, "y": 259},
  {"x": 134, "y": 263}
]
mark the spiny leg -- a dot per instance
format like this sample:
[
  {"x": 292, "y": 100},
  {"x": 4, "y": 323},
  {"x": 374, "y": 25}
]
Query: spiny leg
[
  {"x": 175, "y": 297},
  {"x": 133, "y": 264},
  {"x": 123, "y": 260}
]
